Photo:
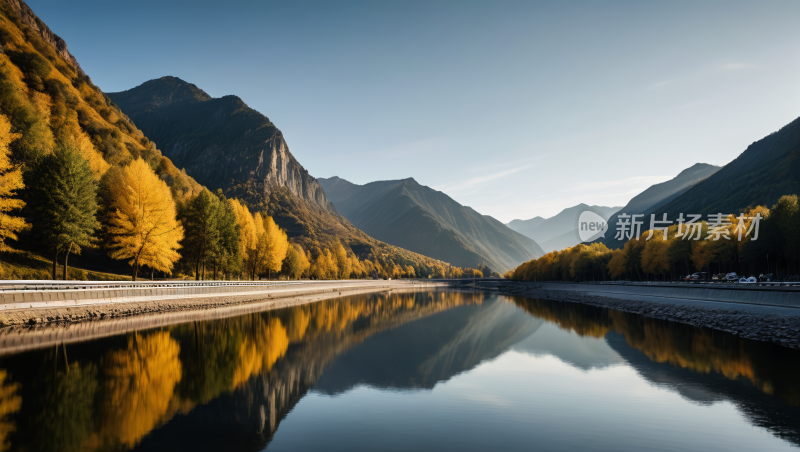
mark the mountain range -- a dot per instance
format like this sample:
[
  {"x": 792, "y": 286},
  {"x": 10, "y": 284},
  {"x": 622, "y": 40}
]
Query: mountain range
[
  {"x": 558, "y": 232},
  {"x": 419, "y": 218}
]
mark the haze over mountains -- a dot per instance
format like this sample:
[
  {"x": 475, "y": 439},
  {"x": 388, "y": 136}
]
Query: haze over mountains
[
  {"x": 657, "y": 196},
  {"x": 558, "y": 232},
  {"x": 418, "y": 218}
]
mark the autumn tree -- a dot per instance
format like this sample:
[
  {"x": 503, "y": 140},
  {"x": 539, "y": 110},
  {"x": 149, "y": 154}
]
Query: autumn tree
[
  {"x": 64, "y": 192},
  {"x": 296, "y": 262},
  {"x": 275, "y": 243},
  {"x": 10, "y": 182},
  {"x": 143, "y": 226},
  {"x": 343, "y": 263},
  {"x": 247, "y": 232}
]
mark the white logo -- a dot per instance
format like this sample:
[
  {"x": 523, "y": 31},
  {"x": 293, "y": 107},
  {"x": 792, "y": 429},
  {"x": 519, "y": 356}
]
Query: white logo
[{"x": 591, "y": 226}]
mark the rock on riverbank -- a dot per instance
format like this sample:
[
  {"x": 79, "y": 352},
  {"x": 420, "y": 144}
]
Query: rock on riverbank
[{"x": 778, "y": 329}]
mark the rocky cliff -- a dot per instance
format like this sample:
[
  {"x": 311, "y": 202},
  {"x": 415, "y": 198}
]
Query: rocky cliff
[
  {"x": 221, "y": 142},
  {"x": 28, "y": 18}
]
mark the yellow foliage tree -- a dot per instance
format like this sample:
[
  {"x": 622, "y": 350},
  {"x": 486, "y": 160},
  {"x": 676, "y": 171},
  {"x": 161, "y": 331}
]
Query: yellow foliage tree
[
  {"x": 143, "y": 224},
  {"x": 276, "y": 245},
  {"x": 343, "y": 264},
  {"x": 10, "y": 182},
  {"x": 247, "y": 229},
  {"x": 140, "y": 385},
  {"x": 10, "y": 403}
]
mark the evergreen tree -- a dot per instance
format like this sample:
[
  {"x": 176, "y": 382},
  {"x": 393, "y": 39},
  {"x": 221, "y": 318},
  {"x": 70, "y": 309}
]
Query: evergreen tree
[
  {"x": 227, "y": 254},
  {"x": 64, "y": 192},
  {"x": 200, "y": 217}
]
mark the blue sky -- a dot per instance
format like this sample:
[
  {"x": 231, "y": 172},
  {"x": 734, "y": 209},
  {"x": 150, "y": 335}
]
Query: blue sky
[{"x": 516, "y": 109}]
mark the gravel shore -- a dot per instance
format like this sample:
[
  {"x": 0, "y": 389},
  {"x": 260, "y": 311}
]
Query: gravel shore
[{"x": 778, "y": 329}]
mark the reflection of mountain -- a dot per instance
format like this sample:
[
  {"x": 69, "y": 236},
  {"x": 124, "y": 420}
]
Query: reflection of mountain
[
  {"x": 422, "y": 353},
  {"x": 701, "y": 365},
  {"x": 578, "y": 351},
  {"x": 215, "y": 385},
  {"x": 707, "y": 388}
]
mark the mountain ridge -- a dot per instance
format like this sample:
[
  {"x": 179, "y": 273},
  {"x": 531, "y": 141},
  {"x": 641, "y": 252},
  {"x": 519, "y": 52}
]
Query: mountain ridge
[
  {"x": 221, "y": 142},
  {"x": 658, "y": 195},
  {"x": 413, "y": 216}
]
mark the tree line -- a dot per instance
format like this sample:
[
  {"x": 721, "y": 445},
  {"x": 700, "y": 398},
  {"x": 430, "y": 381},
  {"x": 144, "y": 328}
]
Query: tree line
[
  {"x": 131, "y": 213},
  {"x": 776, "y": 250}
]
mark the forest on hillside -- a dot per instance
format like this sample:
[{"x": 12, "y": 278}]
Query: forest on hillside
[
  {"x": 78, "y": 178},
  {"x": 731, "y": 246}
]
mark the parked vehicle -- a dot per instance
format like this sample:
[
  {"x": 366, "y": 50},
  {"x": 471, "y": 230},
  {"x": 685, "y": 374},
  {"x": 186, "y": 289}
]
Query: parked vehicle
[
  {"x": 718, "y": 277},
  {"x": 699, "y": 276},
  {"x": 766, "y": 277},
  {"x": 732, "y": 277},
  {"x": 750, "y": 280}
]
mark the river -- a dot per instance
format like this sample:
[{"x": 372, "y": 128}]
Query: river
[{"x": 418, "y": 370}]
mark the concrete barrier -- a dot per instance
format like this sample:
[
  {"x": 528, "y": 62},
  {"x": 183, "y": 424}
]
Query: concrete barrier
[{"x": 35, "y": 295}]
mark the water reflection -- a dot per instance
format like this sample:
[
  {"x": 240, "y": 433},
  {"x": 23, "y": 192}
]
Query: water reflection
[{"x": 228, "y": 384}]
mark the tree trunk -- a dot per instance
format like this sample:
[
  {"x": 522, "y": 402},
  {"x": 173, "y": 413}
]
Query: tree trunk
[
  {"x": 55, "y": 263},
  {"x": 66, "y": 256},
  {"x": 135, "y": 268}
]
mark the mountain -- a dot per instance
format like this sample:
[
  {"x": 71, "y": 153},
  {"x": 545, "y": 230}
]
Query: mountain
[
  {"x": 658, "y": 195},
  {"x": 48, "y": 98},
  {"x": 221, "y": 142},
  {"x": 523, "y": 225},
  {"x": 765, "y": 171},
  {"x": 558, "y": 232},
  {"x": 413, "y": 216},
  {"x": 227, "y": 145}
]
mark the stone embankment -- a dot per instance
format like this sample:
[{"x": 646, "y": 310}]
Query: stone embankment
[
  {"x": 79, "y": 309},
  {"x": 741, "y": 319}
]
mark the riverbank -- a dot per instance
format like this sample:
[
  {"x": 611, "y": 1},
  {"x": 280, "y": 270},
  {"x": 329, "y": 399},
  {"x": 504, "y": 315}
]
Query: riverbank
[
  {"x": 762, "y": 322},
  {"x": 159, "y": 300}
]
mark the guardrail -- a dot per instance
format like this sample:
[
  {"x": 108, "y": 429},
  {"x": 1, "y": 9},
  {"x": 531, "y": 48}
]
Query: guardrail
[{"x": 86, "y": 285}]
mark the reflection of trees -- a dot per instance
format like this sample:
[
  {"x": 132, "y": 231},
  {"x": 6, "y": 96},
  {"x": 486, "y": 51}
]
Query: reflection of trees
[
  {"x": 139, "y": 383},
  {"x": 281, "y": 354},
  {"x": 65, "y": 415},
  {"x": 10, "y": 403},
  {"x": 244, "y": 372},
  {"x": 260, "y": 350},
  {"x": 700, "y": 350},
  {"x": 582, "y": 319}
]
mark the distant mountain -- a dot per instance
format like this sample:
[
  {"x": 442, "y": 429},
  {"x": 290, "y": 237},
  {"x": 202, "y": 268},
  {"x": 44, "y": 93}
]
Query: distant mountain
[
  {"x": 765, "y": 171},
  {"x": 657, "y": 196},
  {"x": 413, "y": 216},
  {"x": 523, "y": 225},
  {"x": 558, "y": 232}
]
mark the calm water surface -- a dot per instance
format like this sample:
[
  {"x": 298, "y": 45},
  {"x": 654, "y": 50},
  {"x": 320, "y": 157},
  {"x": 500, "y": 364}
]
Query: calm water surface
[{"x": 438, "y": 370}]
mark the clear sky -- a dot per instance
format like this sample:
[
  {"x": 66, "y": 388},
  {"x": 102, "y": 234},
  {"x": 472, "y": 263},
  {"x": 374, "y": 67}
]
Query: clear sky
[{"x": 516, "y": 109}]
